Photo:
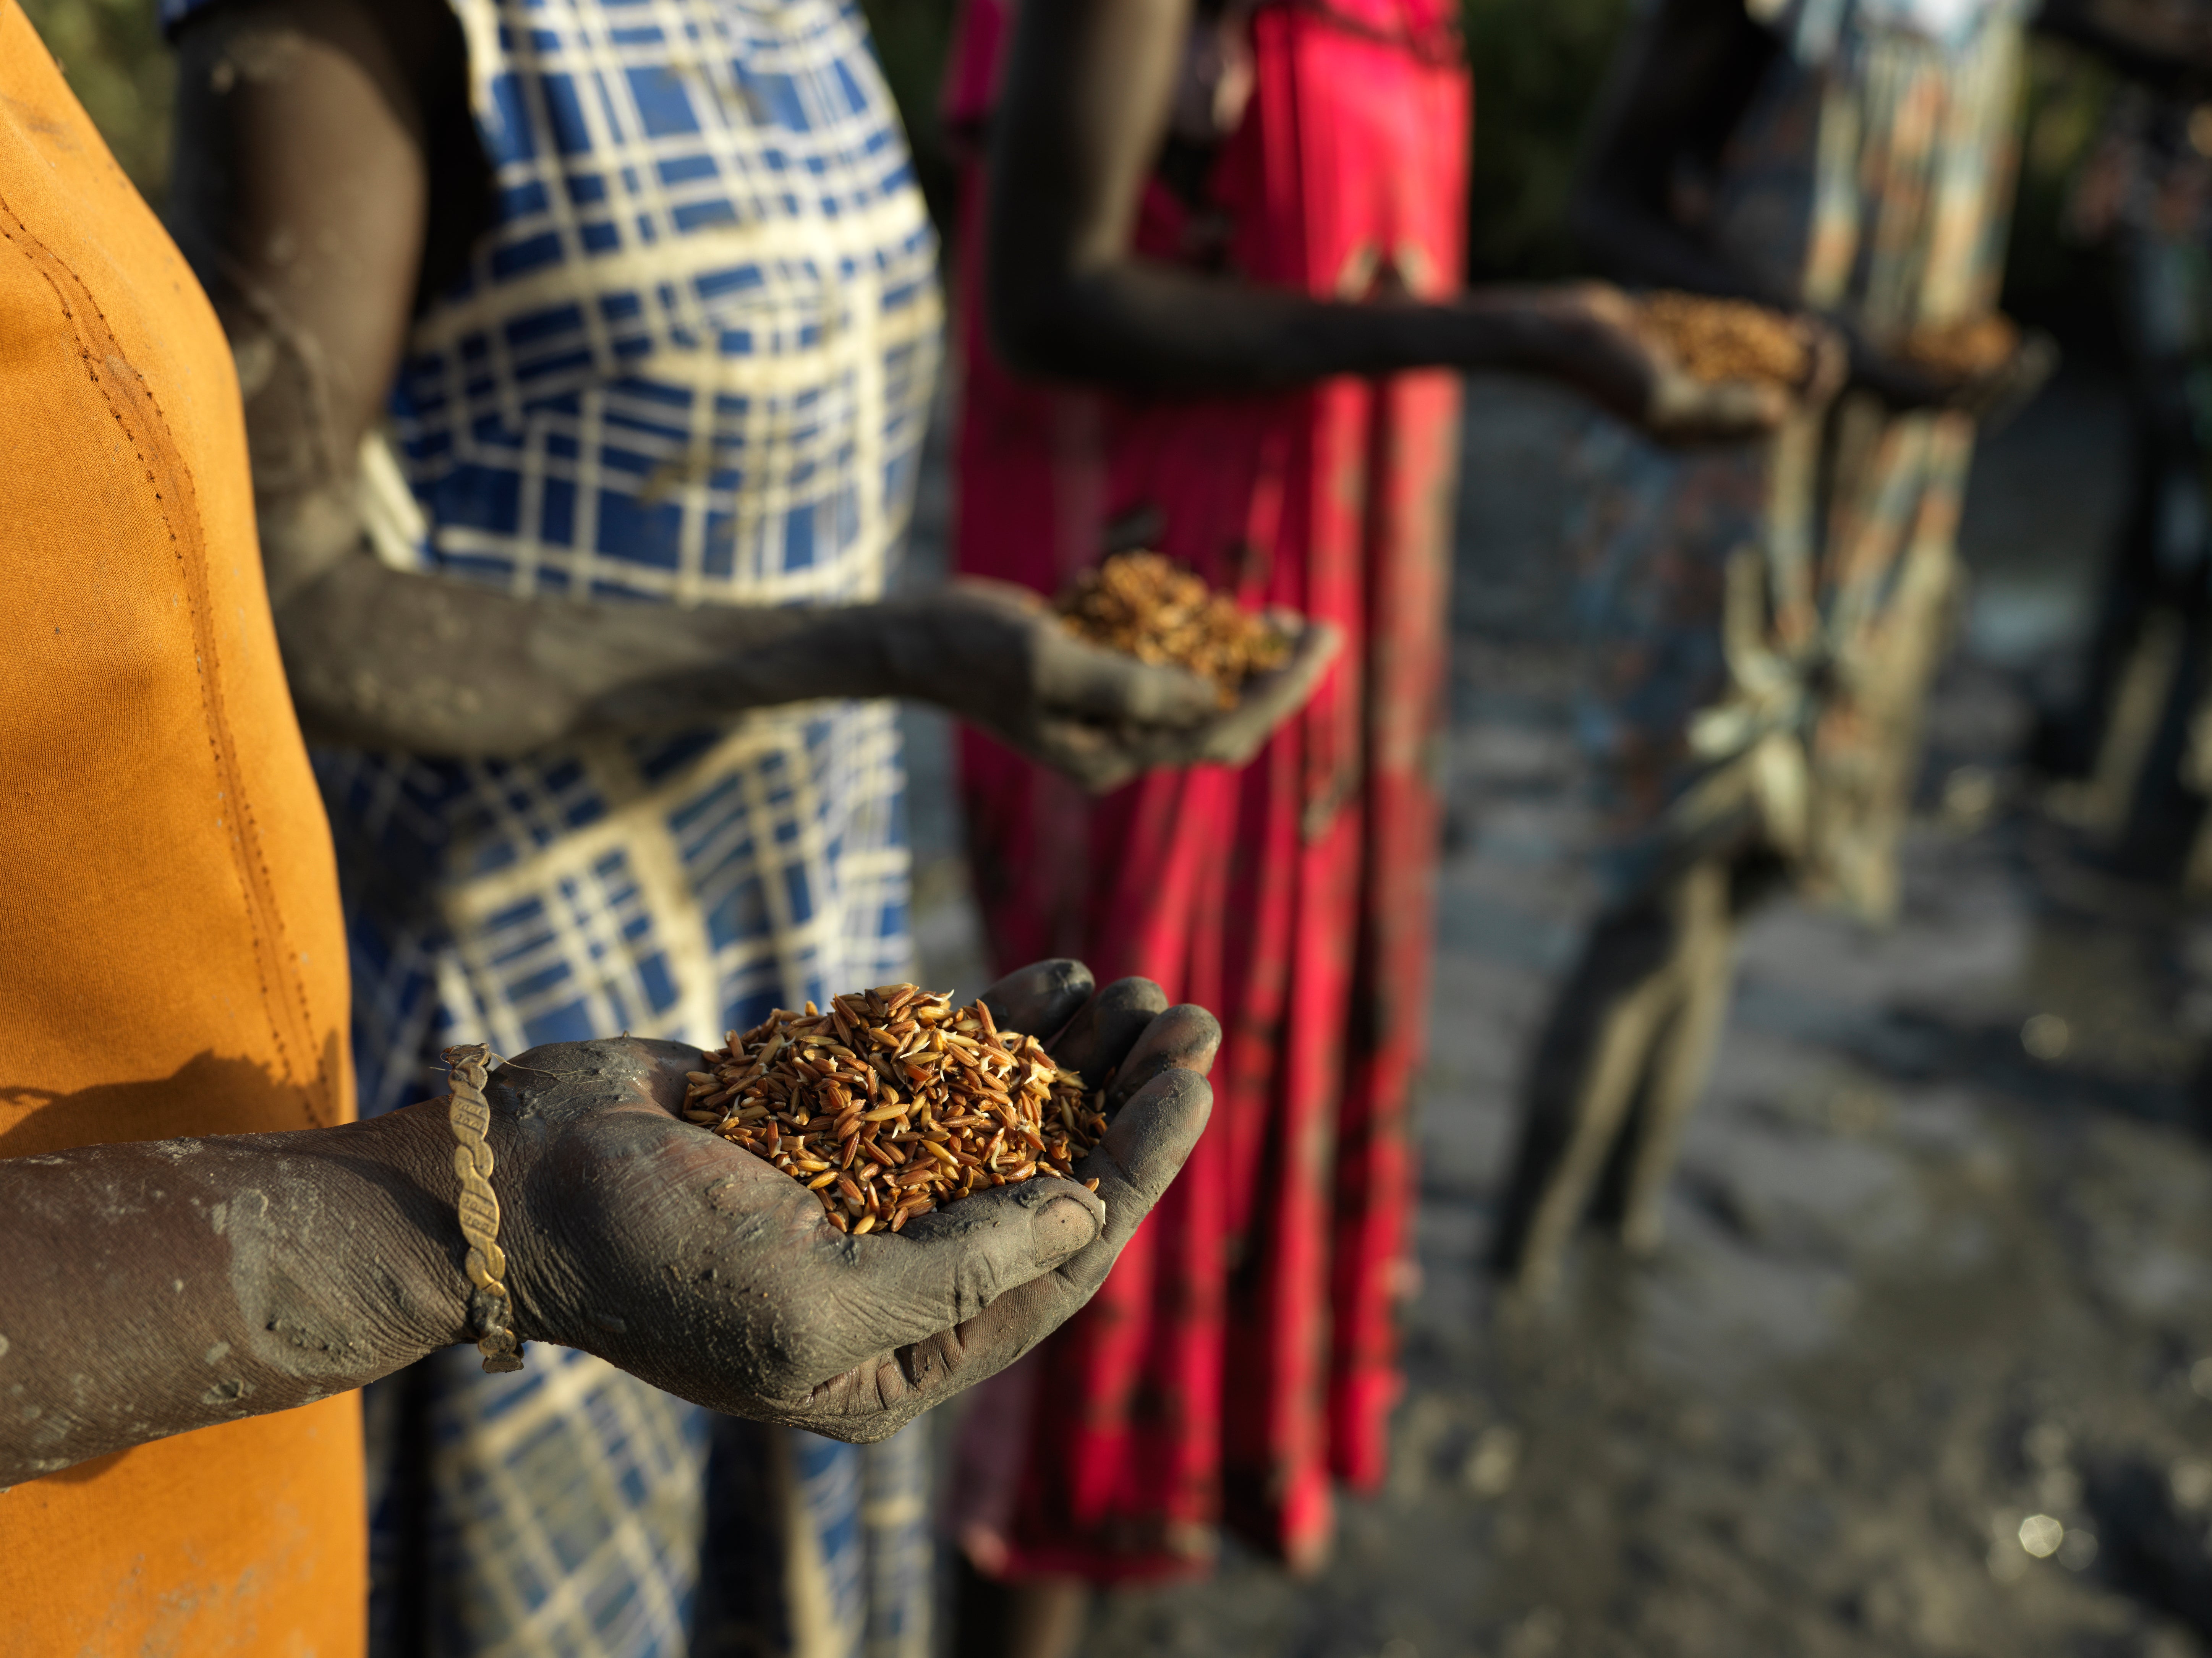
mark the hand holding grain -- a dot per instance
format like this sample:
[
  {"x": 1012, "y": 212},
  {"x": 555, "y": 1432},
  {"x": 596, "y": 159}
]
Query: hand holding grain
[{"x": 699, "y": 1266}]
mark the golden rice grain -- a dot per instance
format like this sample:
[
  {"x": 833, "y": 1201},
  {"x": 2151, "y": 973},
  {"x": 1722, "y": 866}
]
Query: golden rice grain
[
  {"x": 1158, "y": 612},
  {"x": 1728, "y": 339},
  {"x": 968, "y": 1107}
]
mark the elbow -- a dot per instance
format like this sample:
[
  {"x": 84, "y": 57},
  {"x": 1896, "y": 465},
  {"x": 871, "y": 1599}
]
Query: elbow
[
  {"x": 1040, "y": 308},
  {"x": 1038, "y": 334}
]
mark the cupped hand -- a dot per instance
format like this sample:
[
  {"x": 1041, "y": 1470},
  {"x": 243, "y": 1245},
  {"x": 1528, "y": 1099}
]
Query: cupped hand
[
  {"x": 996, "y": 655},
  {"x": 1228, "y": 737},
  {"x": 697, "y": 1267},
  {"x": 1989, "y": 396},
  {"x": 1602, "y": 350}
]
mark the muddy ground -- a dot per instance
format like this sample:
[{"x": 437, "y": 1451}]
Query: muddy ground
[{"x": 1928, "y": 1296}]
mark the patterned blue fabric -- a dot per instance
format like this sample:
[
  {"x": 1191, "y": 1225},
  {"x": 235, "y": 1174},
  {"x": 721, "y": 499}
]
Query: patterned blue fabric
[{"x": 690, "y": 363}]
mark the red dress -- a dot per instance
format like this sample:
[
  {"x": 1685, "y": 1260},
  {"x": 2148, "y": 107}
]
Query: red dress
[{"x": 1242, "y": 1353}]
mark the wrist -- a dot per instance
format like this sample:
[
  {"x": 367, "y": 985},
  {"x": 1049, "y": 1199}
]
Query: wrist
[
  {"x": 410, "y": 1279},
  {"x": 903, "y": 638},
  {"x": 1520, "y": 330}
]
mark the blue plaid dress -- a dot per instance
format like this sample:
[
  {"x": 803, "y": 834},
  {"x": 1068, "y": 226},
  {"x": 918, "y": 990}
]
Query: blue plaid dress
[{"x": 689, "y": 364}]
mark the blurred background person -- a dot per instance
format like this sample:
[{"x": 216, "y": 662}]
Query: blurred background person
[
  {"x": 2132, "y": 748},
  {"x": 1214, "y": 305},
  {"x": 650, "y": 302},
  {"x": 1763, "y": 622}
]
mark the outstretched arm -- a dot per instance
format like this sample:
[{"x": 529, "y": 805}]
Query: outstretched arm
[
  {"x": 325, "y": 162},
  {"x": 159, "y": 1287},
  {"x": 1089, "y": 88}
]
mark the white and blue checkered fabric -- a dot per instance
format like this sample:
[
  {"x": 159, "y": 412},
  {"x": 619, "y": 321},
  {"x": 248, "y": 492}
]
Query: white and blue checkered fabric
[{"x": 690, "y": 363}]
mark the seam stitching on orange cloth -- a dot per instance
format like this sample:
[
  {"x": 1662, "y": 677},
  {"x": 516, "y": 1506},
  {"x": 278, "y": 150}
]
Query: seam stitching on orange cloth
[{"x": 256, "y": 888}]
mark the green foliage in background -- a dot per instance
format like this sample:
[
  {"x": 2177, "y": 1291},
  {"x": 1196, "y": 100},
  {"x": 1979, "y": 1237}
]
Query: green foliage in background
[
  {"x": 1538, "y": 65},
  {"x": 113, "y": 54}
]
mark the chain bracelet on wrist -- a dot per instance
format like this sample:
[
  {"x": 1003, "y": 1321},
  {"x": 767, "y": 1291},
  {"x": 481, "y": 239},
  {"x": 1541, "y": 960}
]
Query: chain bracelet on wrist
[{"x": 491, "y": 1311}]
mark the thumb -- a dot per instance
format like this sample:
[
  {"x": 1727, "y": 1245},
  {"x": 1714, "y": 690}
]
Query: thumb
[{"x": 945, "y": 1267}]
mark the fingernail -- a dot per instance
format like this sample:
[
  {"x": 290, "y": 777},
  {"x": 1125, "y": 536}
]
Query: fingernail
[{"x": 1060, "y": 1229}]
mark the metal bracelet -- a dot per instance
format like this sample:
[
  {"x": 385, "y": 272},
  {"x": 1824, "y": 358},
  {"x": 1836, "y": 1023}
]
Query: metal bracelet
[{"x": 490, "y": 1309}]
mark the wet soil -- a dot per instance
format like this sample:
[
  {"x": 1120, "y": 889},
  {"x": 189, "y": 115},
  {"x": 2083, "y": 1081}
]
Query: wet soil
[{"x": 1924, "y": 1364}]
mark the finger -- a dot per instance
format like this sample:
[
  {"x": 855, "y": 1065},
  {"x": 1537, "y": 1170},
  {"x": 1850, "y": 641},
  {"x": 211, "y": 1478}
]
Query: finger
[
  {"x": 1832, "y": 363},
  {"x": 1141, "y": 1153},
  {"x": 1112, "y": 686},
  {"x": 948, "y": 1266},
  {"x": 1143, "y": 1149},
  {"x": 1272, "y": 698},
  {"x": 1041, "y": 998},
  {"x": 1184, "y": 1038},
  {"x": 1690, "y": 410},
  {"x": 1099, "y": 759},
  {"x": 1100, "y": 1037}
]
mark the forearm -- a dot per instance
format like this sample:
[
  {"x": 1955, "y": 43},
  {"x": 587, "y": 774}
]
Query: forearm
[
  {"x": 381, "y": 658},
  {"x": 159, "y": 1287},
  {"x": 1147, "y": 326}
]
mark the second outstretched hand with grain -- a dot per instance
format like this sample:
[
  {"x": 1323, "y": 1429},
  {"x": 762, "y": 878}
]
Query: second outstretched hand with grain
[
  {"x": 159, "y": 1287},
  {"x": 312, "y": 198}
]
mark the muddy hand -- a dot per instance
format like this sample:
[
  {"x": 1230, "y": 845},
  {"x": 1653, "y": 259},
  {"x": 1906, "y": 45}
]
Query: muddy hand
[
  {"x": 1232, "y": 735},
  {"x": 700, "y": 1268},
  {"x": 995, "y": 654},
  {"x": 1602, "y": 350}
]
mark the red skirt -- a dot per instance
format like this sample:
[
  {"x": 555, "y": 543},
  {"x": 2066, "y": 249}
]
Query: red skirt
[{"x": 1242, "y": 1356}]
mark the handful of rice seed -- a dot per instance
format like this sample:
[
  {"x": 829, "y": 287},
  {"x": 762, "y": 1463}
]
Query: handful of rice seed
[
  {"x": 1158, "y": 612},
  {"x": 892, "y": 1103},
  {"x": 1718, "y": 340},
  {"x": 1962, "y": 351}
]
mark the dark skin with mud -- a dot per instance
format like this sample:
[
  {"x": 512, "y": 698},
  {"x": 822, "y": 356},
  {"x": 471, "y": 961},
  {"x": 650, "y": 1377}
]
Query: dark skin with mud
[
  {"x": 327, "y": 175},
  {"x": 160, "y": 1287},
  {"x": 1092, "y": 87}
]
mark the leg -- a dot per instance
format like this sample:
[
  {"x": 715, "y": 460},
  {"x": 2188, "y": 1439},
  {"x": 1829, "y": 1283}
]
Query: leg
[
  {"x": 1589, "y": 1063},
  {"x": 1703, "y": 971}
]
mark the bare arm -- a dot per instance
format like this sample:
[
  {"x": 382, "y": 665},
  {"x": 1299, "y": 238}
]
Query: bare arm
[
  {"x": 1085, "y": 111},
  {"x": 155, "y": 1288},
  {"x": 304, "y": 197},
  {"x": 160, "y": 1287}
]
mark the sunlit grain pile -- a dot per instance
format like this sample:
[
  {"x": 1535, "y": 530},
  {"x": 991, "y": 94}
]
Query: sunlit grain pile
[
  {"x": 1159, "y": 612},
  {"x": 1728, "y": 339},
  {"x": 890, "y": 1103},
  {"x": 1962, "y": 351}
]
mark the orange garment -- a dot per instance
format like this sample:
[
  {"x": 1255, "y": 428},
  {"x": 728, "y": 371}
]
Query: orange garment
[{"x": 171, "y": 955}]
